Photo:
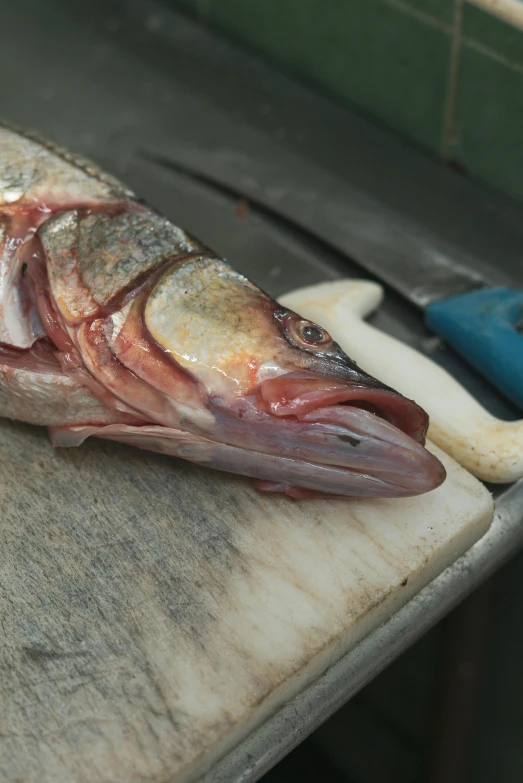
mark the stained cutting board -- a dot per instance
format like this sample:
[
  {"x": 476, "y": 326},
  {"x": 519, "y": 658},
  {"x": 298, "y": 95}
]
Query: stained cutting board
[{"x": 153, "y": 613}]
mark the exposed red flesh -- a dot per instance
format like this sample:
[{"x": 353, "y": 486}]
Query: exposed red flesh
[
  {"x": 136, "y": 350},
  {"x": 40, "y": 358},
  {"x": 297, "y": 396},
  {"x": 120, "y": 381},
  {"x": 50, "y": 320}
]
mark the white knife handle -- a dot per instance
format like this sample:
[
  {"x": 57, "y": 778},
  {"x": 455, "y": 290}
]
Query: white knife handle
[{"x": 488, "y": 447}]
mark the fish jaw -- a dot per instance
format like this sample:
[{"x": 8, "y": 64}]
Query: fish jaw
[
  {"x": 297, "y": 478},
  {"x": 381, "y": 449},
  {"x": 314, "y": 445},
  {"x": 361, "y": 441}
]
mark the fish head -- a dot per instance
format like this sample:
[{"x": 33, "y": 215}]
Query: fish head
[{"x": 277, "y": 384}]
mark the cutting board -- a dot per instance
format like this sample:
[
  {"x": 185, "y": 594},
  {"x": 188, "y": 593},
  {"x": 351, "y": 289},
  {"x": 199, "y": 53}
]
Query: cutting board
[{"x": 153, "y": 613}]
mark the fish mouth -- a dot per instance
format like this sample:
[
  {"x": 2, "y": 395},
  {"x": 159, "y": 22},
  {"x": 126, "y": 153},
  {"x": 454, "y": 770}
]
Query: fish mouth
[
  {"x": 333, "y": 438},
  {"x": 305, "y": 437},
  {"x": 299, "y": 394}
]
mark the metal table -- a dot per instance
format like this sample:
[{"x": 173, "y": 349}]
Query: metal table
[{"x": 183, "y": 117}]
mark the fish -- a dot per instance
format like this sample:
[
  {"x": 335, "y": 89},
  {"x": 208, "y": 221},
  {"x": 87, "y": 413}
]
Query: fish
[{"x": 117, "y": 324}]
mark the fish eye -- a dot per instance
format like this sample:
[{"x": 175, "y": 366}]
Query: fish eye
[
  {"x": 312, "y": 333},
  {"x": 306, "y": 334}
]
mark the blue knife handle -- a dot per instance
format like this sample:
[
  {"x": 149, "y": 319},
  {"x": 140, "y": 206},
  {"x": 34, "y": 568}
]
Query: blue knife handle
[{"x": 480, "y": 326}]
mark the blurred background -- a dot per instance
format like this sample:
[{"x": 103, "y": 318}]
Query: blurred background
[{"x": 444, "y": 77}]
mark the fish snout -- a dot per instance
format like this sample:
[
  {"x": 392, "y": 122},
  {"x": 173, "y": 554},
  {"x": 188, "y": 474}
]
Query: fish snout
[{"x": 368, "y": 431}]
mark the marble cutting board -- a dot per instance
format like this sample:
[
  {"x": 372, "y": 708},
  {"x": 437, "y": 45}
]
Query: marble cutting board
[{"x": 153, "y": 613}]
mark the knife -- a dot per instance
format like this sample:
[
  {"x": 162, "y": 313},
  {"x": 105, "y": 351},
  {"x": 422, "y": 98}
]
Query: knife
[
  {"x": 480, "y": 322},
  {"x": 461, "y": 296}
]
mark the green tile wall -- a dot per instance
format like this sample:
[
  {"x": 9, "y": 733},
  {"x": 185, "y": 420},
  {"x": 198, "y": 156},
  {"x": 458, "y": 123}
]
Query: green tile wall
[
  {"x": 450, "y": 82},
  {"x": 480, "y": 27},
  {"x": 488, "y": 134},
  {"x": 386, "y": 58},
  {"x": 439, "y": 9}
]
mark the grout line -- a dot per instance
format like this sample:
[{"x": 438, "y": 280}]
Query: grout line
[
  {"x": 514, "y": 65},
  {"x": 422, "y": 16},
  {"x": 510, "y": 11},
  {"x": 204, "y": 8},
  {"x": 449, "y": 127}
]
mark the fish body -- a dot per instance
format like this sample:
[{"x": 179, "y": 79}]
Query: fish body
[{"x": 115, "y": 323}]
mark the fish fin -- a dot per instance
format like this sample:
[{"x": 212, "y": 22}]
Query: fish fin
[
  {"x": 68, "y": 437},
  {"x": 299, "y": 493},
  {"x": 164, "y": 440}
]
